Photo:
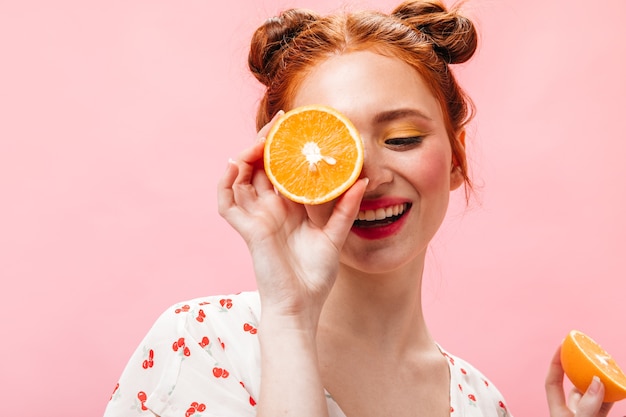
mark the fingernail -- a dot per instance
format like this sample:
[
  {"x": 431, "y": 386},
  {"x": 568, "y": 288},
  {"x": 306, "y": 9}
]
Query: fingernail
[
  {"x": 231, "y": 161},
  {"x": 594, "y": 387}
]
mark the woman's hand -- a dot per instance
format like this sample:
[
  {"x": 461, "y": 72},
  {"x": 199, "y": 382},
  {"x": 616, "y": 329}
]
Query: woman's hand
[
  {"x": 295, "y": 259},
  {"x": 588, "y": 404}
]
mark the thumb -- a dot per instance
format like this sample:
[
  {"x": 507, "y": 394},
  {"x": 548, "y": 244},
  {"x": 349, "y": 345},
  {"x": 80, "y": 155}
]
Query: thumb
[{"x": 345, "y": 212}]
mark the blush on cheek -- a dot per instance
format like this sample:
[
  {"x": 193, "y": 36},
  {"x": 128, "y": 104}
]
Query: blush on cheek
[{"x": 433, "y": 173}]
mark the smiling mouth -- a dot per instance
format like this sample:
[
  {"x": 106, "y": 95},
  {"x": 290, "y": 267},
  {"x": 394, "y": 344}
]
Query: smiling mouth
[{"x": 381, "y": 216}]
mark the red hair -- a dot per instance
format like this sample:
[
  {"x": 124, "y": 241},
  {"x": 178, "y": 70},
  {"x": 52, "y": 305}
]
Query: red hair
[{"x": 422, "y": 33}]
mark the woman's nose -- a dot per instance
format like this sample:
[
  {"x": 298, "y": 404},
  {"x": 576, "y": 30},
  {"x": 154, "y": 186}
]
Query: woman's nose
[{"x": 375, "y": 168}]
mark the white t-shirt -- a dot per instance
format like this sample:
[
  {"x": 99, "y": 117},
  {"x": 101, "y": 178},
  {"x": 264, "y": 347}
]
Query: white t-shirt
[{"x": 201, "y": 358}]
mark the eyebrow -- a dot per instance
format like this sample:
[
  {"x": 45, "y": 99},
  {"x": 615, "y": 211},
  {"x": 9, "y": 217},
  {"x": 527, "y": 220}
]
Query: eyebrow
[{"x": 391, "y": 115}]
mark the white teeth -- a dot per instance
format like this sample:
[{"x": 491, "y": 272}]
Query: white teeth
[{"x": 381, "y": 213}]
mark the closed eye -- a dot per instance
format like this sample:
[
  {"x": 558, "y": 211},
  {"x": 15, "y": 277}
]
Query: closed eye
[{"x": 406, "y": 142}]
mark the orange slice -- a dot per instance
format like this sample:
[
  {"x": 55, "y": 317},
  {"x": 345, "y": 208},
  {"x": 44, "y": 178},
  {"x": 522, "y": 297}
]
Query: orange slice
[
  {"x": 313, "y": 154},
  {"x": 582, "y": 358}
]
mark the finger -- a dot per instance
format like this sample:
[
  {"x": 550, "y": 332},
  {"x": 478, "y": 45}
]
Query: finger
[
  {"x": 233, "y": 195},
  {"x": 590, "y": 404},
  {"x": 573, "y": 399},
  {"x": 251, "y": 159},
  {"x": 344, "y": 213},
  {"x": 554, "y": 387},
  {"x": 225, "y": 194},
  {"x": 248, "y": 161},
  {"x": 259, "y": 179}
]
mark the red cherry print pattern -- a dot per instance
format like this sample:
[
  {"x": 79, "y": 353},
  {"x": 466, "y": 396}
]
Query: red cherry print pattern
[
  {"x": 204, "y": 342},
  {"x": 117, "y": 386},
  {"x": 226, "y": 303},
  {"x": 221, "y": 343},
  {"x": 201, "y": 316},
  {"x": 486, "y": 382},
  {"x": 501, "y": 404},
  {"x": 460, "y": 387},
  {"x": 452, "y": 409},
  {"x": 142, "y": 397},
  {"x": 180, "y": 344},
  {"x": 463, "y": 371},
  {"x": 450, "y": 358},
  {"x": 148, "y": 363},
  {"x": 247, "y": 327},
  {"x": 195, "y": 406},
  {"x": 472, "y": 397},
  {"x": 220, "y": 372},
  {"x": 183, "y": 309},
  {"x": 251, "y": 400},
  {"x": 204, "y": 303}
]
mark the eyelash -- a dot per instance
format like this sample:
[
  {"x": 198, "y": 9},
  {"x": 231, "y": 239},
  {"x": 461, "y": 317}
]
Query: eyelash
[{"x": 406, "y": 142}]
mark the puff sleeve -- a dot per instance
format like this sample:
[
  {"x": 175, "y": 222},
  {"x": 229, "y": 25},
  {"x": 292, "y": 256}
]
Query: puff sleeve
[{"x": 200, "y": 358}]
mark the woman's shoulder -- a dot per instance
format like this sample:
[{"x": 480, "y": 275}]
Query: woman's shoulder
[
  {"x": 220, "y": 311},
  {"x": 199, "y": 351}
]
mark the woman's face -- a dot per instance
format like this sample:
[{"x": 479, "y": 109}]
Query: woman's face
[{"x": 408, "y": 157}]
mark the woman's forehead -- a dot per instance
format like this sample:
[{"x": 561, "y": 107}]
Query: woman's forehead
[{"x": 366, "y": 82}]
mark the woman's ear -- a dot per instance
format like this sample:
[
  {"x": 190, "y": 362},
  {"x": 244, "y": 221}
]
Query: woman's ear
[{"x": 458, "y": 161}]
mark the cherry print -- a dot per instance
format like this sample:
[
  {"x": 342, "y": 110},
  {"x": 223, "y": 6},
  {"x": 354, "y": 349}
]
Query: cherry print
[
  {"x": 203, "y": 303},
  {"x": 148, "y": 363},
  {"x": 180, "y": 343},
  {"x": 204, "y": 342},
  {"x": 452, "y": 409},
  {"x": 195, "y": 407},
  {"x": 486, "y": 382},
  {"x": 450, "y": 358},
  {"x": 117, "y": 386},
  {"x": 247, "y": 327},
  {"x": 460, "y": 387},
  {"x": 471, "y": 397},
  {"x": 220, "y": 372},
  {"x": 463, "y": 371},
  {"x": 221, "y": 343},
  {"x": 183, "y": 309},
  {"x": 226, "y": 302},
  {"x": 201, "y": 316},
  {"x": 252, "y": 402},
  {"x": 501, "y": 404},
  {"x": 142, "y": 397}
]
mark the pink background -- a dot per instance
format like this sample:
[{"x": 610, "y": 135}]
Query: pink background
[{"x": 117, "y": 118}]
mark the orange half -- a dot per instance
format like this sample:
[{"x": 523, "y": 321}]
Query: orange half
[
  {"x": 313, "y": 154},
  {"x": 582, "y": 359}
]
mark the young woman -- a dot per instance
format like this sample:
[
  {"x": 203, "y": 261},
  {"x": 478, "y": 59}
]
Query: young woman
[{"x": 336, "y": 327}]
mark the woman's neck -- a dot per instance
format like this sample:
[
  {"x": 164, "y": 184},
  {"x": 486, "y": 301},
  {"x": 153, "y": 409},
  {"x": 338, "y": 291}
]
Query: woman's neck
[{"x": 382, "y": 311}]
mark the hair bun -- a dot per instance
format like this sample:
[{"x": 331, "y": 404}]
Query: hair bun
[
  {"x": 270, "y": 39},
  {"x": 454, "y": 36}
]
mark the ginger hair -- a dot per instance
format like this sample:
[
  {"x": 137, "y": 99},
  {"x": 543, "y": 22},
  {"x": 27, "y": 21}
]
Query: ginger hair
[{"x": 422, "y": 33}]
